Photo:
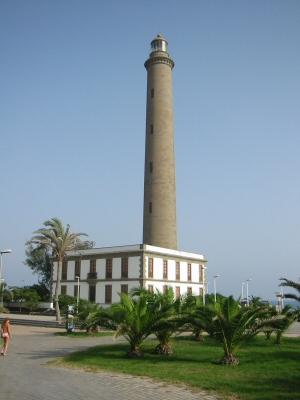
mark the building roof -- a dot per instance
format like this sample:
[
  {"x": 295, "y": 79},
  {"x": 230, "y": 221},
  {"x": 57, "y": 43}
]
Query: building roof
[{"x": 136, "y": 248}]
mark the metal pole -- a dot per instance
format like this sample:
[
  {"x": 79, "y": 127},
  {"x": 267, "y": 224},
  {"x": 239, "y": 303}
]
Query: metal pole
[
  {"x": 243, "y": 284},
  {"x": 1, "y": 283},
  {"x": 1, "y": 273},
  {"x": 215, "y": 286},
  {"x": 203, "y": 283},
  {"x": 215, "y": 289},
  {"x": 78, "y": 287},
  {"x": 0, "y": 266},
  {"x": 247, "y": 290}
]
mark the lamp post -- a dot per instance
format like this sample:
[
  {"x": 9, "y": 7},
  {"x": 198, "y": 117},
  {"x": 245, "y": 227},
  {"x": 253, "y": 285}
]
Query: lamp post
[
  {"x": 6, "y": 251},
  {"x": 282, "y": 297},
  {"x": 78, "y": 289},
  {"x": 242, "y": 299},
  {"x": 215, "y": 286},
  {"x": 280, "y": 302},
  {"x": 203, "y": 283},
  {"x": 247, "y": 290}
]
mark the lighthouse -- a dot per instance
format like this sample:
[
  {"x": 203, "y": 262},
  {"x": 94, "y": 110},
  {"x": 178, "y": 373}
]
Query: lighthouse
[
  {"x": 159, "y": 222},
  {"x": 156, "y": 264}
]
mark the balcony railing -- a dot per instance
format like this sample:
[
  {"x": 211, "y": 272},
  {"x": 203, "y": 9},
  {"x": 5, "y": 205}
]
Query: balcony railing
[{"x": 92, "y": 275}]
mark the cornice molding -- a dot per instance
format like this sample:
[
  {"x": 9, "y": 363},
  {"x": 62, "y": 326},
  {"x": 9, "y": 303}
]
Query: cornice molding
[{"x": 159, "y": 60}]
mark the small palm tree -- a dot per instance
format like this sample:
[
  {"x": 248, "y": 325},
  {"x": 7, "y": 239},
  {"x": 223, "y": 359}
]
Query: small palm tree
[
  {"x": 91, "y": 317},
  {"x": 134, "y": 320},
  {"x": 136, "y": 317},
  {"x": 197, "y": 316},
  {"x": 166, "y": 310},
  {"x": 291, "y": 284},
  {"x": 58, "y": 239},
  {"x": 279, "y": 322},
  {"x": 233, "y": 324}
]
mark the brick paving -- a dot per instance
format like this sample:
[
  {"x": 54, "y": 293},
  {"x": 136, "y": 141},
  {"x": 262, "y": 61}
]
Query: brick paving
[{"x": 25, "y": 375}]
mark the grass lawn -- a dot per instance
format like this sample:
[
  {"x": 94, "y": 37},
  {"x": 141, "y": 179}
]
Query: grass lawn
[
  {"x": 83, "y": 334},
  {"x": 266, "y": 371}
]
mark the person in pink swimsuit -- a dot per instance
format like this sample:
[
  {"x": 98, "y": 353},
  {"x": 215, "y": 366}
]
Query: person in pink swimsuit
[{"x": 6, "y": 336}]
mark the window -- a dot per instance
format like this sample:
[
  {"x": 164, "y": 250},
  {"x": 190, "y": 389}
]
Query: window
[
  {"x": 150, "y": 267},
  {"x": 124, "y": 288},
  {"x": 152, "y": 93},
  {"x": 151, "y": 167},
  {"x": 64, "y": 271},
  {"x": 177, "y": 271},
  {"x": 108, "y": 268},
  {"x": 77, "y": 267},
  {"x": 76, "y": 290},
  {"x": 150, "y": 208},
  {"x": 177, "y": 292},
  {"x": 151, "y": 129},
  {"x": 93, "y": 265},
  {"x": 150, "y": 288},
  {"x": 201, "y": 273},
  {"x": 92, "y": 293},
  {"x": 189, "y": 272},
  {"x": 108, "y": 294},
  {"x": 189, "y": 291},
  {"x": 165, "y": 271},
  {"x": 63, "y": 289},
  {"x": 165, "y": 289},
  {"x": 124, "y": 267}
]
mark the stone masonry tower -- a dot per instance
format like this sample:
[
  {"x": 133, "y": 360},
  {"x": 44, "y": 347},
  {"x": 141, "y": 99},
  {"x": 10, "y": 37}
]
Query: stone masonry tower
[{"x": 159, "y": 183}]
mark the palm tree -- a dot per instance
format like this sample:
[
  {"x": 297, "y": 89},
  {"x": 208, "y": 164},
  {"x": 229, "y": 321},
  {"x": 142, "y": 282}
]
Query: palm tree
[
  {"x": 166, "y": 310},
  {"x": 197, "y": 316},
  {"x": 91, "y": 317},
  {"x": 233, "y": 324},
  {"x": 134, "y": 320},
  {"x": 294, "y": 285},
  {"x": 279, "y": 322},
  {"x": 58, "y": 239},
  {"x": 137, "y": 316}
]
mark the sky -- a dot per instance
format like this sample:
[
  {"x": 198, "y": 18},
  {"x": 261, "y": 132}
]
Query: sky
[{"x": 72, "y": 129}]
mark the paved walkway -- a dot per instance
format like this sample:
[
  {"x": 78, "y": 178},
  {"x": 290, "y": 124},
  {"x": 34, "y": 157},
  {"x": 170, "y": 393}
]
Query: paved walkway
[{"x": 25, "y": 375}]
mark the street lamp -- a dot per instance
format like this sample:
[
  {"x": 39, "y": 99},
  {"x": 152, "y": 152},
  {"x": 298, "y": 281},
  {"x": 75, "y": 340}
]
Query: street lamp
[
  {"x": 280, "y": 303},
  {"x": 243, "y": 284},
  {"x": 282, "y": 297},
  {"x": 247, "y": 290},
  {"x": 215, "y": 286},
  {"x": 78, "y": 289},
  {"x": 6, "y": 251},
  {"x": 203, "y": 283}
]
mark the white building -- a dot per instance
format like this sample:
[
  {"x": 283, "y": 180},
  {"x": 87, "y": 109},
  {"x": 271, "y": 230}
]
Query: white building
[{"x": 105, "y": 272}]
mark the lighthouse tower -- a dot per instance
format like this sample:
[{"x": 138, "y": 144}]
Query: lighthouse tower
[
  {"x": 159, "y": 225},
  {"x": 156, "y": 264}
]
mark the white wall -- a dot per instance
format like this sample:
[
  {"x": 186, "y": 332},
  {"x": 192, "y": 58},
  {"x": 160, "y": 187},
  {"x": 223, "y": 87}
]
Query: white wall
[{"x": 134, "y": 264}]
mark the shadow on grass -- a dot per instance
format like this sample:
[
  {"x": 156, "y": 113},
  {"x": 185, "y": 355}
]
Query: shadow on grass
[{"x": 119, "y": 352}]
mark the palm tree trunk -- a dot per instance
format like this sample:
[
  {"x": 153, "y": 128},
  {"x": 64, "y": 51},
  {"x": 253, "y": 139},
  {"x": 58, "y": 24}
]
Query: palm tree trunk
[
  {"x": 164, "y": 349},
  {"x": 57, "y": 291},
  {"x": 229, "y": 359},
  {"x": 135, "y": 351}
]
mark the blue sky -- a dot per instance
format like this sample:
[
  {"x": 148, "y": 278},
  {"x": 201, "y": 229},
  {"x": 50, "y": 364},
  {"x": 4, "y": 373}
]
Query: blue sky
[{"x": 72, "y": 126}]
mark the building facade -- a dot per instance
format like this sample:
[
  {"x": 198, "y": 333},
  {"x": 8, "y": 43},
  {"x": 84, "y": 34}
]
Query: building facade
[{"x": 102, "y": 274}]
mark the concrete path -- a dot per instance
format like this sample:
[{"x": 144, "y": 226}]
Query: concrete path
[{"x": 25, "y": 375}]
